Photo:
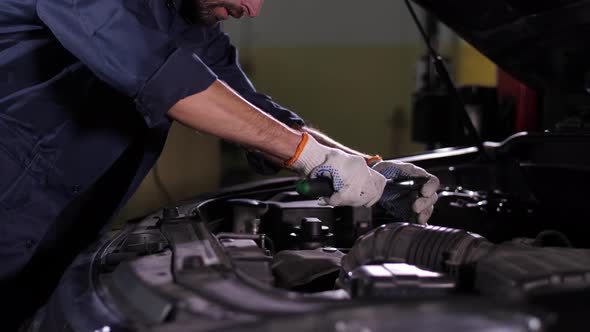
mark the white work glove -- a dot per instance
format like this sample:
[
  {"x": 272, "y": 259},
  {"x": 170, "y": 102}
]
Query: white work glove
[
  {"x": 424, "y": 205},
  {"x": 355, "y": 184}
]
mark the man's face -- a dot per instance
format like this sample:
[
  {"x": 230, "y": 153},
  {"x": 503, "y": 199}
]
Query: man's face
[{"x": 213, "y": 11}]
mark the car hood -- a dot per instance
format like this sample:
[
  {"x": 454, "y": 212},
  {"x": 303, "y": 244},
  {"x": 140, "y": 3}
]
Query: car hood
[{"x": 543, "y": 43}]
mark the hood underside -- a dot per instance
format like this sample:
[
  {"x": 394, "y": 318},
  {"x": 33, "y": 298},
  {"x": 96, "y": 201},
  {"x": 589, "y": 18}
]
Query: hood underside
[{"x": 543, "y": 43}]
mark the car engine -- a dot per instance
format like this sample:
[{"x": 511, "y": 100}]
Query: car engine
[{"x": 506, "y": 249}]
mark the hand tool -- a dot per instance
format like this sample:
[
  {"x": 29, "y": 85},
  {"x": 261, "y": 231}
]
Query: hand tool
[{"x": 406, "y": 188}]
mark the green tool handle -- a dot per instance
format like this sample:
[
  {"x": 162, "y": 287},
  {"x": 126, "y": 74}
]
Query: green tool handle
[{"x": 318, "y": 187}]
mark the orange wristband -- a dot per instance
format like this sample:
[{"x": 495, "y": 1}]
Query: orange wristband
[
  {"x": 304, "y": 139},
  {"x": 373, "y": 160}
]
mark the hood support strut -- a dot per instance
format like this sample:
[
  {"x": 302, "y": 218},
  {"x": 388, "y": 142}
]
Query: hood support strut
[{"x": 444, "y": 75}]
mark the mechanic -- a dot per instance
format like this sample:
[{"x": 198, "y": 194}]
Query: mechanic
[{"x": 89, "y": 91}]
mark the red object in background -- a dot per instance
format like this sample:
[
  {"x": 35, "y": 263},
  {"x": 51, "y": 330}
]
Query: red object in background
[{"x": 525, "y": 101}]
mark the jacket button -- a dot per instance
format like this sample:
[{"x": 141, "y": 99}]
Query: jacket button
[
  {"x": 76, "y": 189},
  {"x": 170, "y": 4},
  {"x": 29, "y": 244}
]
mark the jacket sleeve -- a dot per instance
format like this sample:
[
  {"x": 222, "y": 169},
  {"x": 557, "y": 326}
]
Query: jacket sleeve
[
  {"x": 130, "y": 45},
  {"x": 222, "y": 57}
]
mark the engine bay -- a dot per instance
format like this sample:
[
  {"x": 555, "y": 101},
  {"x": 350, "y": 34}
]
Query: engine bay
[{"x": 501, "y": 252}]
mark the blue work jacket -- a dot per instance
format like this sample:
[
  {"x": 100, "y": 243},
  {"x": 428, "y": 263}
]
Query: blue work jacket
[{"x": 83, "y": 82}]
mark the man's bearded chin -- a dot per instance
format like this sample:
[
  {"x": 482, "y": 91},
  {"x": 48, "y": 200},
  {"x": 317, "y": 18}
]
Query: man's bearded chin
[{"x": 201, "y": 11}]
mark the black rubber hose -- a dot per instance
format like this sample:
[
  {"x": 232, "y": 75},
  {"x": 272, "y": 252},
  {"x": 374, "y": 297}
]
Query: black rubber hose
[
  {"x": 509, "y": 271},
  {"x": 432, "y": 248}
]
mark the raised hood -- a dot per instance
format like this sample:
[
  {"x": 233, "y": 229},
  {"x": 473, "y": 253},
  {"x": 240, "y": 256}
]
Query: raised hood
[{"x": 543, "y": 43}]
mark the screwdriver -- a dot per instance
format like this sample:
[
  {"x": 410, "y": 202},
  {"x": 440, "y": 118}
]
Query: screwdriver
[
  {"x": 407, "y": 188},
  {"x": 322, "y": 187}
]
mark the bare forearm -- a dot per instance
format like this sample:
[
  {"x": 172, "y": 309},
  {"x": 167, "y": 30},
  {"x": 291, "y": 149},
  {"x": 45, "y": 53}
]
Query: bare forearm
[{"x": 221, "y": 112}]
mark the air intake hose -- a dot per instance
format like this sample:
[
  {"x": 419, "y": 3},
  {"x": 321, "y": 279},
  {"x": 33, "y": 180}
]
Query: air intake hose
[
  {"x": 508, "y": 270},
  {"x": 432, "y": 248}
]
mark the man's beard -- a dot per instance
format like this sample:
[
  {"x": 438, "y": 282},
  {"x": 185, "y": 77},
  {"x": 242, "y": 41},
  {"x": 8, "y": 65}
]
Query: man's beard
[{"x": 201, "y": 11}]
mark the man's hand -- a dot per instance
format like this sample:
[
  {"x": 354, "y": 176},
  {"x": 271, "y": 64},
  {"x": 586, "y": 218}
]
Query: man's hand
[
  {"x": 355, "y": 184},
  {"x": 424, "y": 205},
  {"x": 222, "y": 112}
]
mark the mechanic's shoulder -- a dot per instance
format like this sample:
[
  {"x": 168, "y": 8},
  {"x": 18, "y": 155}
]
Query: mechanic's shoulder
[{"x": 94, "y": 14}]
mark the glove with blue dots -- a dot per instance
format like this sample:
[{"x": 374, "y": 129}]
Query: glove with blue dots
[
  {"x": 355, "y": 184},
  {"x": 392, "y": 199}
]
